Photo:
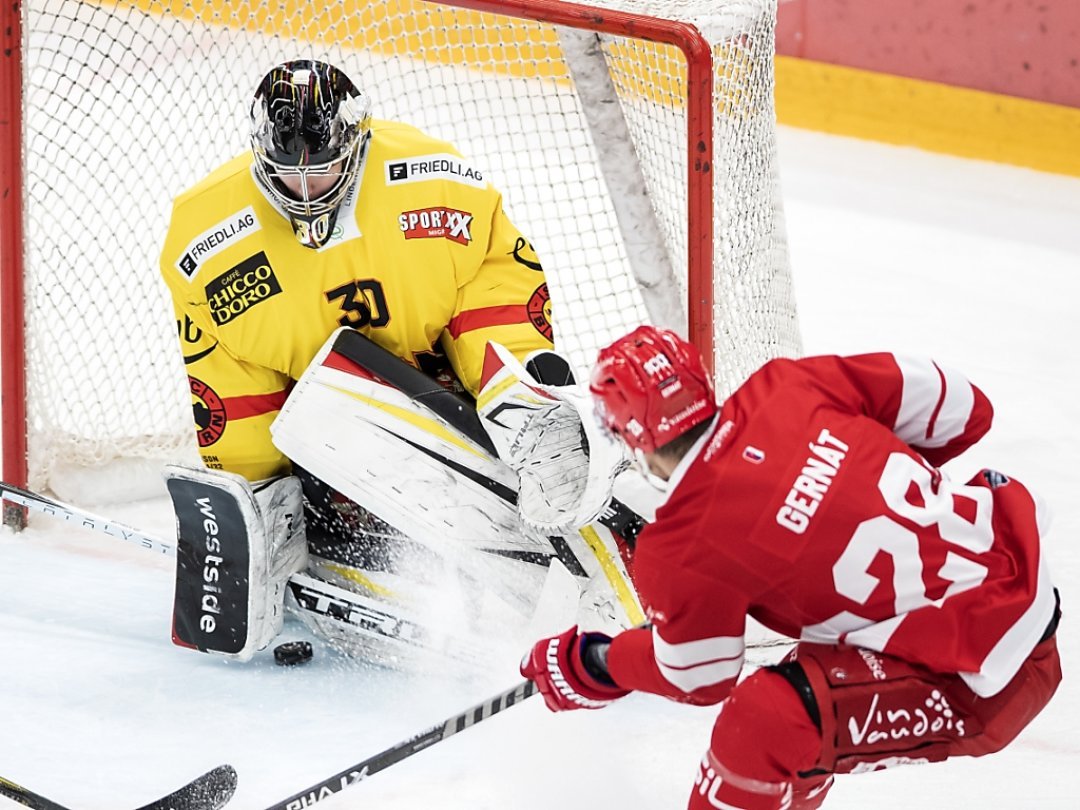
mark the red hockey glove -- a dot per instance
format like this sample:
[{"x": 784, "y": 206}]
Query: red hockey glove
[{"x": 557, "y": 668}]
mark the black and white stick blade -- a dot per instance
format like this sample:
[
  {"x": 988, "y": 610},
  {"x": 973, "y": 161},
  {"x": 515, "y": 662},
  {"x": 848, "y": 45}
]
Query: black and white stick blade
[{"x": 211, "y": 791}]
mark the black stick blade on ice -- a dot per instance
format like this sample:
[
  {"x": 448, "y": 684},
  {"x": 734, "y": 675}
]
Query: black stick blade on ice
[{"x": 211, "y": 791}]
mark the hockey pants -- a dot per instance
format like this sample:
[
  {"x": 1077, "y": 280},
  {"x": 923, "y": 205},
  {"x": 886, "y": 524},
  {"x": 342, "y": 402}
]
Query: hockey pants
[{"x": 785, "y": 731}]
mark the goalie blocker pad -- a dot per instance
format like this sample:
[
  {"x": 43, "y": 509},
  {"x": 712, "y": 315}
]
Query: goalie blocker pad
[{"x": 235, "y": 551}]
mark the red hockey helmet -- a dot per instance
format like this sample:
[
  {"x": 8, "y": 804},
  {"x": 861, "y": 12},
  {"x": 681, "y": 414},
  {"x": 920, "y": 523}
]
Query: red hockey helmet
[{"x": 650, "y": 387}]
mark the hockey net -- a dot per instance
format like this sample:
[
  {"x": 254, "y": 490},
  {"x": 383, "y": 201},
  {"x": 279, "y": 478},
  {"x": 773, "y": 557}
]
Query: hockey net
[{"x": 125, "y": 103}]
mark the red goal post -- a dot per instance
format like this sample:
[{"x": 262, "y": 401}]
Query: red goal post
[
  {"x": 668, "y": 209},
  {"x": 699, "y": 127},
  {"x": 12, "y": 358}
]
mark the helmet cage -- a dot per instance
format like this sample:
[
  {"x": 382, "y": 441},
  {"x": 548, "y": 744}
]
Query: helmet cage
[{"x": 308, "y": 205}]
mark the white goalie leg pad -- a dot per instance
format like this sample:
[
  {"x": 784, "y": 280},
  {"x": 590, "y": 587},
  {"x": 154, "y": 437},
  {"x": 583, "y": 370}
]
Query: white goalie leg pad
[
  {"x": 236, "y": 549},
  {"x": 388, "y": 453},
  {"x": 438, "y": 483},
  {"x": 565, "y": 461}
]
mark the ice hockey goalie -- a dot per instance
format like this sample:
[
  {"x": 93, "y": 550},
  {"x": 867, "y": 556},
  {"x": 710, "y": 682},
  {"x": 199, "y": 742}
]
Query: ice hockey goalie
[{"x": 452, "y": 513}]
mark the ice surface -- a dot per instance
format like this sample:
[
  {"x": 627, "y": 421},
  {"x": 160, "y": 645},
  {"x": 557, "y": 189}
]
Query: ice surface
[{"x": 974, "y": 263}]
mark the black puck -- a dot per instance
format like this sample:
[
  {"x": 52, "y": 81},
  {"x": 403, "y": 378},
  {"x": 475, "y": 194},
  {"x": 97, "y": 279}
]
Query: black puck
[{"x": 292, "y": 653}]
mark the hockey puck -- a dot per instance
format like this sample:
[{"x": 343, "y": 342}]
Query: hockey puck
[{"x": 292, "y": 653}]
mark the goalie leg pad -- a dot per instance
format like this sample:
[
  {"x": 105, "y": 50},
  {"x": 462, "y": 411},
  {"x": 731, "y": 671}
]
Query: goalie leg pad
[
  {"x": 388, "y": 452},
  {"x": 236, "y": 549},
  {"x": 419, "y": 459}
]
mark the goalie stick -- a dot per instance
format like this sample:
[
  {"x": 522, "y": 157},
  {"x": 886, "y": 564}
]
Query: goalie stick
[
  {"x": 405, "y": 749},
  {"x": 211, "y": 791},
  {"x": 310, "y": 595}
]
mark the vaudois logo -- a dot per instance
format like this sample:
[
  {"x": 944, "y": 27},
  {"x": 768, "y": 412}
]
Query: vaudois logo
[
  {"x": 431, "y": 223},
  {"x": 433, "y": 167},
  {"x": 216, "y": 239}
]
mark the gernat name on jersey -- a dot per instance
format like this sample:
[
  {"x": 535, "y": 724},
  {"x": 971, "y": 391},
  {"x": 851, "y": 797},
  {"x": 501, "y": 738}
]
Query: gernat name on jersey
[{"x": 812, "y": 483}]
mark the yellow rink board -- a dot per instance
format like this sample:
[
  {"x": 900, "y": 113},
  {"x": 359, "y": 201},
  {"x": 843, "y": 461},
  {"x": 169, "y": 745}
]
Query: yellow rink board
[
  {"x": 928, "y": 115},
  {"x": 388, "y": 27}
]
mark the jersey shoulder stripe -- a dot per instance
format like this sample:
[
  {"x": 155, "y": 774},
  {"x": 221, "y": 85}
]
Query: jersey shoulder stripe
[{"x": 473, "y": 319}]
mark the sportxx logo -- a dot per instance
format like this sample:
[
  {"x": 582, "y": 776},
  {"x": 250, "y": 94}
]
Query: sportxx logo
[{"x": 431, "y": 223}]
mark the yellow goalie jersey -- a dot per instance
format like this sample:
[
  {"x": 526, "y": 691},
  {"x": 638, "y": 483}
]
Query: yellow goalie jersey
[{"x": 422, "y": 260}]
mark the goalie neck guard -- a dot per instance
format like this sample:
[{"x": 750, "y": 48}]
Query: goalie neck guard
[{"x": 650, "y": 387}]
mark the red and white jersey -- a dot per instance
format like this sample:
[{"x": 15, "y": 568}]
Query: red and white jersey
[{"x": 814, "y": 505}]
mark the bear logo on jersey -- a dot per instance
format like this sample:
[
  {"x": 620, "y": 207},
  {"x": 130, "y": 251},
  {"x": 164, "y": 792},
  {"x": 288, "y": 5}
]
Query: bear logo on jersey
[
  {"x": 209, "y": 410},
  {"x": 539, "y": 309}
]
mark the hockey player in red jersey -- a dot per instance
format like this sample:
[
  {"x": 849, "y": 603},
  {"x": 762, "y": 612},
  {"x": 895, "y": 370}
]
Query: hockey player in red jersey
[{"x": 811, "y": 500}]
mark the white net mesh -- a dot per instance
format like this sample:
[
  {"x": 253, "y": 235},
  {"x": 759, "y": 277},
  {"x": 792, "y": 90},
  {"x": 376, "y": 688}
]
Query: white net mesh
[{"x": 128, "y": 103}]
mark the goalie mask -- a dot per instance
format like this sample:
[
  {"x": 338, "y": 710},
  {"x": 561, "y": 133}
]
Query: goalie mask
[
  {"x": 309, "y": 129},
  {"x": 650, "y": 387}
]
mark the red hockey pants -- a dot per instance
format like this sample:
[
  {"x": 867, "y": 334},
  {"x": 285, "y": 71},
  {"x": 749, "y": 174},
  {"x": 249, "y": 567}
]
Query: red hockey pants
[{"x": 873, "y": 711}]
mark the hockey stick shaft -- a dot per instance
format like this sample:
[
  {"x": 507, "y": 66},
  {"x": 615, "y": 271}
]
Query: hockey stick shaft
[
  {"x": 211, "y": 791},
  {"x": 27, "y": 798},
  {"x": 88, "y": 520},
  {"x": 405, "y": 749}
]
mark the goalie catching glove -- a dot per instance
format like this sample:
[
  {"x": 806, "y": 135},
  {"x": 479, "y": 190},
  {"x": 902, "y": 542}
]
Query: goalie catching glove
[
  {"x": 236, "y": 549},
  {"x": 565, "y": 461}
]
